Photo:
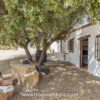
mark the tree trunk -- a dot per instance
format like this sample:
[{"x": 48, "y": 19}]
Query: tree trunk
[
  {"x": 43, "y": 54},
  {"x": 43, "y": 57},
  {"x": 28, "y": 53},
  {"x": 38, "y": 55}
]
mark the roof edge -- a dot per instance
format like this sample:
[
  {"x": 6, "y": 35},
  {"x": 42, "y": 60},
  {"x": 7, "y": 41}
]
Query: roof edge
[{"x": 81, "y": 27}]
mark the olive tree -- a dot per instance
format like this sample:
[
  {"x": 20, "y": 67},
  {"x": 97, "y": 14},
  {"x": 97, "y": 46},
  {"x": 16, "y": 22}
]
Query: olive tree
[{"x": 45, "y": 21}]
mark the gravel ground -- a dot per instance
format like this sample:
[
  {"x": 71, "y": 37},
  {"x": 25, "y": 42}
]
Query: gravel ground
[{"x": 64, "y": 82}]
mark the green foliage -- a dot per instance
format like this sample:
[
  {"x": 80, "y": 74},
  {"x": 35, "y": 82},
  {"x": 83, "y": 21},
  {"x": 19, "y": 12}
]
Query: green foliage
[
  {"x": 93, "y": 10},
  {"x": 44, "y": 21}
]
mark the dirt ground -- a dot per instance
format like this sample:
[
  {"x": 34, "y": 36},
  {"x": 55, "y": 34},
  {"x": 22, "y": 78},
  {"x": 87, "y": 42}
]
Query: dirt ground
[{"x": 64, "y": 82}]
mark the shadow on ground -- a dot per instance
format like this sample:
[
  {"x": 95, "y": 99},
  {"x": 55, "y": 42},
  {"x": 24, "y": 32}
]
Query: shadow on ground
[{"x": 64, "y": 82}]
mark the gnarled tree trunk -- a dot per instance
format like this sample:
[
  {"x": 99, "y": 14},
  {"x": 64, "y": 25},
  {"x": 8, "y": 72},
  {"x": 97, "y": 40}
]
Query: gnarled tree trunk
[
  {"x": 38, "y": 56},
  {"x": 43, "y": 57},
  {"x": 28, "y": 53}
]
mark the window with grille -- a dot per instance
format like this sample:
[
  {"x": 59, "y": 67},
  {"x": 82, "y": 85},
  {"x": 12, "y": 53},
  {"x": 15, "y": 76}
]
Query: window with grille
[
  {"x": 71, "y": 45},
  {"x": 97, "y": 47}
]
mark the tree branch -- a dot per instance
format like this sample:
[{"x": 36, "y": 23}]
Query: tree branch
[
  {"x": 28, "y": 40},
  {"x": 59, "y": 36}
]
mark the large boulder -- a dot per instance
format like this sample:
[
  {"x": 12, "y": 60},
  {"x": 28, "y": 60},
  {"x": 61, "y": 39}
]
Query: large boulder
[{"x": 26, "y": 74}]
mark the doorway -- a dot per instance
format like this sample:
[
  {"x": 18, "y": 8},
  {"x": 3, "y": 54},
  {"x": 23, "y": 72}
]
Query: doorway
[{"x": 84, "y": 53}]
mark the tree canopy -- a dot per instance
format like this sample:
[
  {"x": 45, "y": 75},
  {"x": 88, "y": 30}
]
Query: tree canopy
[{"x": 44, "y": 21}]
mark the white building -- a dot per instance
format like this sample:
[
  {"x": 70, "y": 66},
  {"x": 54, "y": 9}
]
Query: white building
[
  {"x": 58, "y": 46},
  {"x": 82, "y": 48}
]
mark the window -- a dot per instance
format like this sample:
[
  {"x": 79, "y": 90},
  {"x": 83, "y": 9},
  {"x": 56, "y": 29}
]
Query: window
[
  {"x": 97, "y": 47},
  {"x": 71, "y": 45}
]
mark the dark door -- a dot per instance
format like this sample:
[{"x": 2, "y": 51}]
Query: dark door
[{"x": 84, "y": 53}]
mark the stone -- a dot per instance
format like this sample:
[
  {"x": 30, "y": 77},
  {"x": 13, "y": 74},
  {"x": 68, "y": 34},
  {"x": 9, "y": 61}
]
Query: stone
[
  {"x": 26, "y": 74},
  {"x": 44, "y": 70},
  {"x": 30, "y": 80},
  {"x": 26, "y": 61},
  {"x": 18, "y": 68}
]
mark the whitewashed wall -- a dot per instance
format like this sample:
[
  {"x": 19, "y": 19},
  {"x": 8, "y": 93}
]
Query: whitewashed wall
[
  {"x": 93, "y": 64},
  {"x": 56, "y": 46}
]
